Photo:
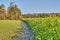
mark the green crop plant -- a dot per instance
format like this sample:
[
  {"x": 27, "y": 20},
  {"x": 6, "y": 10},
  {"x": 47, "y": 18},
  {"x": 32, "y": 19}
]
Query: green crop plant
[{"x": 45, "y": 28}]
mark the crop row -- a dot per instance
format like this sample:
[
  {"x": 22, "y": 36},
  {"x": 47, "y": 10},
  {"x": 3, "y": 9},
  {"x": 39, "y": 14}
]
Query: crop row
[{"x": 45, "y": 28}]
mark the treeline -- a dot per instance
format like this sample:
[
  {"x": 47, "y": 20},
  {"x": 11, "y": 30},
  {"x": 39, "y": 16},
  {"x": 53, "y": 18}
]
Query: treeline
[
  {"x": 12, "y": 12},
  {"x": 34, "y": 15}
]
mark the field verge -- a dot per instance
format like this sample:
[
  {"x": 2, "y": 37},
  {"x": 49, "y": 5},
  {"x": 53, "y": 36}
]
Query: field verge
[{"x": 8, "y": 28}]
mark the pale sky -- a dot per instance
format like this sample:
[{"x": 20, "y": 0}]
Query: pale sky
[{"x": 35, "y": 6}]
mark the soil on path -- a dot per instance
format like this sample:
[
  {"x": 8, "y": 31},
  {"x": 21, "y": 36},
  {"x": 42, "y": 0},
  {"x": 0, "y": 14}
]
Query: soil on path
[{"x": 24, "y": 34}]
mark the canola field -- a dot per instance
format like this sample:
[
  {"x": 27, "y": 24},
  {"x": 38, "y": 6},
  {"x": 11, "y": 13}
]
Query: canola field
[
  {"x": 45, "y": 28},
  {"x": 8, "y": 28}
]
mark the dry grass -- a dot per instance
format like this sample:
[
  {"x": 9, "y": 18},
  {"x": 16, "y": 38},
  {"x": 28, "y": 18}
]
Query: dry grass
[{"x": 8, "y": 28}]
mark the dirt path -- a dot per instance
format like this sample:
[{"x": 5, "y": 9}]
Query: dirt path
[{"x": 25, "y": 33}]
